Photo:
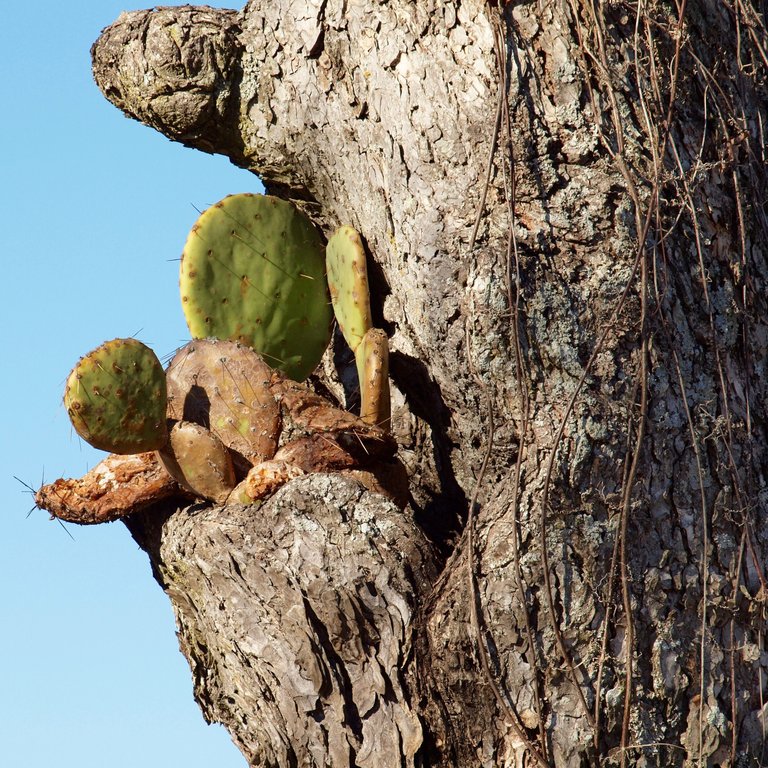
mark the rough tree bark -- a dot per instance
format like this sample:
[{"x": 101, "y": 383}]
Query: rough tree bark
[{"x": 564, "y": 206}]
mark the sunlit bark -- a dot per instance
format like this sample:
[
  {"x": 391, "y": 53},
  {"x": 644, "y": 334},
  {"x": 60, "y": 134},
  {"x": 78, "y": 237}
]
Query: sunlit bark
[{"x": 564, "y": 207}]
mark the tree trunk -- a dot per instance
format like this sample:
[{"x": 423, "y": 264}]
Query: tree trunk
[{"x": 564, "y": 208}]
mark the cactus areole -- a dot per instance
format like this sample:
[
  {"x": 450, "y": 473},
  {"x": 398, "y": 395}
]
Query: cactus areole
[
  {"x": 253, "y": 270},
  {"x": 116, "y": 398}
]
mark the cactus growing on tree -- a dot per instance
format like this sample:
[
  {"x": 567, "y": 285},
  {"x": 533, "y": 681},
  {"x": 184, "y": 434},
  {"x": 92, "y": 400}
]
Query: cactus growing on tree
[{"x": 252, "y": 271}]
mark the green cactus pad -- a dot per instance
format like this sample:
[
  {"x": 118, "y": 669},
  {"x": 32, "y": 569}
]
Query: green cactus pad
[
  {"x": 372, "y": 357},
  {"x": 198, "y": 461},
  {"x": 224, "y": 386},
  {"x": 253, "y": 271},
  {"x": 348, "y": 282},
  {"x": 116, "y": 398}
]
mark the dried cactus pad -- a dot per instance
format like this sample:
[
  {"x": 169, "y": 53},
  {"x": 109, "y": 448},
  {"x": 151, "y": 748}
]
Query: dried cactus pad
[
  {"x": 348, "y": 283},
  {"x": 116, "y": 398},
  {"x": 253, "y": 270},
  {"x": 198, "y": 461},
  {"x": 372, "y": 358},
  {"x": 224, "y": 386}
]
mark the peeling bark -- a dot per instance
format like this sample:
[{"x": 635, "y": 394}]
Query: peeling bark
[{"x": 578, "y": 346}]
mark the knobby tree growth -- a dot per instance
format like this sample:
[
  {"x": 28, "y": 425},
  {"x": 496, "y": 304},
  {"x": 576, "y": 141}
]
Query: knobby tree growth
[{"x": 564, "y": 210}]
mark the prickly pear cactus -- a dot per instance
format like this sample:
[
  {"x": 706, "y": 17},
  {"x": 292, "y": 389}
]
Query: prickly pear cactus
[
  {"x": 116, "y": 398},
  {"x": 348, "y": 283},
  {"x": 198, "y": 461},
  {"x": 372, "y": 357},
  {"x": 253, "y": 271},
  {"x": 225, "y": 386}
]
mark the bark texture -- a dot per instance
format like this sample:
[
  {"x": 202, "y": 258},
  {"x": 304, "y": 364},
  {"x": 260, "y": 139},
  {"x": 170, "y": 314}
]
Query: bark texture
[
  {"x": 313, "y": 670},
  {"x": 564, "y": 207}
]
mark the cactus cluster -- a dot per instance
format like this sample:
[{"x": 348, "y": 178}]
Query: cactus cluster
[{"x": 256, "y": 298}]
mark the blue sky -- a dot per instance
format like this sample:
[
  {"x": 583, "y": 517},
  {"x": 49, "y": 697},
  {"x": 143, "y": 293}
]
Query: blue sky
[{"x": 95, "y": 211}]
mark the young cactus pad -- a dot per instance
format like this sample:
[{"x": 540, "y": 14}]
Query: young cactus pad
[
  {"x": 116, "y": 398},
  {"x": 253, "y": 271},
  {"x": 348, "y": 282},
  {"x": 372, "y": 357}
]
